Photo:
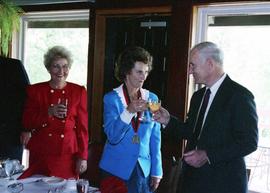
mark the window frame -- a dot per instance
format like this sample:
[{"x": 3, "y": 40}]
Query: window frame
[
  {"x": 204, "y": 11},
  {"x": 18, "y": 43}
]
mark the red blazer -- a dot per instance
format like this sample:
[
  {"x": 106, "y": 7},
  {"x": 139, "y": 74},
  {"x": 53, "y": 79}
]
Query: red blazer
[{"x": 51, "y": 135}]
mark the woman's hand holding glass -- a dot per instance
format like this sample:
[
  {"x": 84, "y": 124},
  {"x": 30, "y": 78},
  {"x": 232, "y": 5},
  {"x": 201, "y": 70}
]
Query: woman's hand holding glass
[
  {"x": 59, "y": 110},
  {"x": 137, "y": 105},
  {"x": 152, "y": 105},
  {"x": 143, "y": 106}
]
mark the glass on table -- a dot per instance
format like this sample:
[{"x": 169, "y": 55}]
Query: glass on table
[
  {"x": 82, "y": 185},
  {"x": 10, "y": 167}
]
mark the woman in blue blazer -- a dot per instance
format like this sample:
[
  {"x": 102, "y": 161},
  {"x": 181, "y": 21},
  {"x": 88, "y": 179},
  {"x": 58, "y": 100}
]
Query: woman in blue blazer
[{"x": 132, "y": 150}]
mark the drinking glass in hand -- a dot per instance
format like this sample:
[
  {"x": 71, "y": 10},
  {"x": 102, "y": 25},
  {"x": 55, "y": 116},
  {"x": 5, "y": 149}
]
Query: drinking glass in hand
[
  {"x": 144, "y": 117},
  {"x": 82, "y": 185},
  {"x": 154, "y": 105},
  {"x": 64, "y": 102}
]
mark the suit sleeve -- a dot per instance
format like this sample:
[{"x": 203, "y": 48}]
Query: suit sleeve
[
  {"x": 178, "y": 130},
  {"x": 82, "y": 126}
]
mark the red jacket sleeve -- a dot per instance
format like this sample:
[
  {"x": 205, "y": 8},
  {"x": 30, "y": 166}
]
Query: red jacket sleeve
[{"x": 82, "y": 126}]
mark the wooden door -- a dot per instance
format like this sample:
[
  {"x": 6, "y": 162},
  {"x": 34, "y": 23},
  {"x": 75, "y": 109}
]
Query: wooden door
[{"x": 149, "y": 32}]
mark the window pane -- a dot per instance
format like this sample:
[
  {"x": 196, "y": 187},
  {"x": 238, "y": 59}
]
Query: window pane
[{"x": 43, "y": 34}]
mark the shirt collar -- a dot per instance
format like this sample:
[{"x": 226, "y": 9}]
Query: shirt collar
[{"x": 217, "y": 84}]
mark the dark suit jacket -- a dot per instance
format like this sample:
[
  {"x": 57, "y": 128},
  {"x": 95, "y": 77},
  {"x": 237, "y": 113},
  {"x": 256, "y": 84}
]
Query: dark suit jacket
[
  {"x": 13, "y": 80},
  {"x": 230, "y": 132}
]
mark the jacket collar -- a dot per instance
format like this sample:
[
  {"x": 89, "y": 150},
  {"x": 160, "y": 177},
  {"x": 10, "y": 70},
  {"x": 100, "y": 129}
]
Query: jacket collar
[{"x": 120, "y": 93}]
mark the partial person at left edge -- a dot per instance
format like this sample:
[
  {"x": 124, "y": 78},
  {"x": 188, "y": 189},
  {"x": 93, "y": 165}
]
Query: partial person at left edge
[{"x": 13, "y": 82}]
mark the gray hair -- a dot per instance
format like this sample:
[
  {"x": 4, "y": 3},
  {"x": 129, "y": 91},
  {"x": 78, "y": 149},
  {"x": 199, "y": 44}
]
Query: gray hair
[
  {"x": 209, "y": 50},
  {"x": 57, "y": 52}
]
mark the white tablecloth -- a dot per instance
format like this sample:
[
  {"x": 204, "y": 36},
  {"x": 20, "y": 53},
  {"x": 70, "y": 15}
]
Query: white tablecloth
[{"x": 34, "y": 185}]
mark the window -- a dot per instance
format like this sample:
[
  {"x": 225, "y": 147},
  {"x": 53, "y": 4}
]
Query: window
[
  {"x": 242, "y": 31},
  {"x": 42, "y": 30}
]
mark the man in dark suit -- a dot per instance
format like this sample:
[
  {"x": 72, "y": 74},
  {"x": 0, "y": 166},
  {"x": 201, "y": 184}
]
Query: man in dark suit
[
  {"x": 213, "y": 161},
  {"x": 13, "y": 80}
]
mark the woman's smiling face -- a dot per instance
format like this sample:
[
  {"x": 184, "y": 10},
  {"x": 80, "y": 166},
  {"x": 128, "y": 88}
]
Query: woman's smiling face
[{"x": 59, "y": 70}]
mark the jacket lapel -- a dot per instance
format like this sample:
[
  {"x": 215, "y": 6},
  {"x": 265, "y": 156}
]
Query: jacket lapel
[{"x": 221, "y": 97}]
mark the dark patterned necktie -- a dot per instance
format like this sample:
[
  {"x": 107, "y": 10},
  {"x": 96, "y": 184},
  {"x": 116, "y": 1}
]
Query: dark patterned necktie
[{"x": 200, "y": 117}]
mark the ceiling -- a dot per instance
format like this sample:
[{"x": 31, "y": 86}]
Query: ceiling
[{"x": 39, "y": 2}]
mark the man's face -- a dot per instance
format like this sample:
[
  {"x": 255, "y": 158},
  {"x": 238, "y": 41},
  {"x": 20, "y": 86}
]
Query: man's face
[{"x": 199, "y": 67}]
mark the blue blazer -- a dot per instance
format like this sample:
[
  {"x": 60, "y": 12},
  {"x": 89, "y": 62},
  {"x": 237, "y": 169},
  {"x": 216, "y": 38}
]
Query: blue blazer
[
  {"x": 229, "y": 133},
  {"x": 120, "y": 155}
]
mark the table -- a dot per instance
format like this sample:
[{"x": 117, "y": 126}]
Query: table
[{"x": 35, "y": 185}]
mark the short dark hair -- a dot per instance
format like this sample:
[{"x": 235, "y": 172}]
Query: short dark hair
[{"x": 127, "y": 59}]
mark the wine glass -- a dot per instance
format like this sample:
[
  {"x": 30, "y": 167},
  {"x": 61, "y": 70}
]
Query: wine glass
[
  {"x": 154, "y": 105},
  {"x": 9, "y": 168},
  {"x": 145, "y": 115}
]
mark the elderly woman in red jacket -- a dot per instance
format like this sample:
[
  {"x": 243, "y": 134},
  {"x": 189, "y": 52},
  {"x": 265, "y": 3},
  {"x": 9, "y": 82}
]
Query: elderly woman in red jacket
[{"x": 56, "y": 114}]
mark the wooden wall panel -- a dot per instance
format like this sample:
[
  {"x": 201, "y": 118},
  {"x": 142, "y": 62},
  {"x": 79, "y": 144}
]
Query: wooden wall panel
[
  {"x": 180, "y": 43},
  {"x": 97, "y": 80}
]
